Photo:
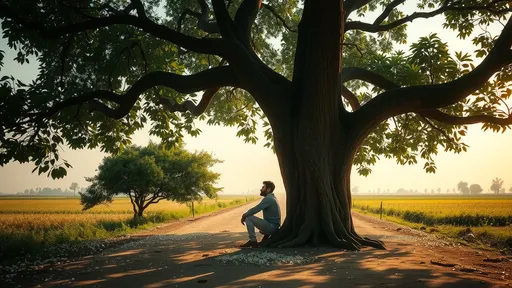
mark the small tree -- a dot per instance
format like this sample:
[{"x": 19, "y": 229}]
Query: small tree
[
  {"x": 510, "y": 190},
  {"x": 496, "y": 185},
  {"x": 463, "y": 187},
  {"x": 150, "y": 174},
  {"x": 73, "y": 187},
  {"x": 475, "y": 189}
]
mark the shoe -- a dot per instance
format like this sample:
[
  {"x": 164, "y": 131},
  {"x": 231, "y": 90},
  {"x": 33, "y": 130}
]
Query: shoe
[
  {"x": 250, "y": 244},
  {"x": 265, "y": 237}
]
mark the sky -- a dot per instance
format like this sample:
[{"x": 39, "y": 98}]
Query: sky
[{"x": 245, "y": 166}]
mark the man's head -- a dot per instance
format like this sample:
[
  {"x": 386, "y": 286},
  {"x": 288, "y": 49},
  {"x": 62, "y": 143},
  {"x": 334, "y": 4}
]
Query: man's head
[{"x": 267, "y": 188}]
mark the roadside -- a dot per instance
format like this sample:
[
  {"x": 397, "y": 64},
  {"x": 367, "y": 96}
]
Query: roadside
[
  {"x": 71, "y": 251},
  {"x": 486, "y": 238},
  {"x": 203, "y": 252}
]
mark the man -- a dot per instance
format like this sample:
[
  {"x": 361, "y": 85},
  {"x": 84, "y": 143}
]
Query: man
[{"x": 271, "y": 216}]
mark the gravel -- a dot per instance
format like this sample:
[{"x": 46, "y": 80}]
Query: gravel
[{"x": 264, "y": 258}]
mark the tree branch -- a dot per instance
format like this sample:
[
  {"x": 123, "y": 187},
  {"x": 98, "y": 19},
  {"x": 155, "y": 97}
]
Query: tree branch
[
  {"x": 189, "y": 106},
  {"x": 353, "y": 45},
  {"x": 438, "y": 129},
  {"x": 350, "y": 97},
  {"x": 281, "y": 19},
  {"x": 440, "y": 116},
  {"x": 244, "y": 19},
  {"x": 141, "y": 12},
  {"x": 373, "y": 28},
  {"x": 357, "y": 73},
  {"x": 352, "y": 5},
  {"x": 211, "y": 78},
  {"x": 224, "y": 21},
  {"x": 205, "y": 46},
  {"x": 387, "y": 11},
  {"x": 203, "y": 22}
]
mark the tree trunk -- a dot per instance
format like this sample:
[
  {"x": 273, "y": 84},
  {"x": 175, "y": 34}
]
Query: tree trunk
[
  {"x": 316, "y": 176},
  {"x": 315, "y": 140}
]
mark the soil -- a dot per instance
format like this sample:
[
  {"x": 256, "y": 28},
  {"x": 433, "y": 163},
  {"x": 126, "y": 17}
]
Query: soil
[{"x": 203, "y": 252}]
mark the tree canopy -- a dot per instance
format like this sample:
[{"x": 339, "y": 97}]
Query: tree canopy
[
  {"x": 151, "y": 174},
  {"x": 139, "y": 62}
]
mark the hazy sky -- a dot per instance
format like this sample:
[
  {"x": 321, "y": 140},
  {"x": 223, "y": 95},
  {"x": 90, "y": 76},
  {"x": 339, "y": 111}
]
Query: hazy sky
[{"x": 246, "y": 166}]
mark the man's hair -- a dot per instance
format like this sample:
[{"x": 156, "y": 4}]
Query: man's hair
[{"x": 270, "y": 185}]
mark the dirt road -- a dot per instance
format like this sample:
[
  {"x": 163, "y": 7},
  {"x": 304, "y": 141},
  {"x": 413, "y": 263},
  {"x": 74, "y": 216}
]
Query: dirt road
[{"x": 203, "y": 253}]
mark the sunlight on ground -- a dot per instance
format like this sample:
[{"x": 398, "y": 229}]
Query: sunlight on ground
[
  {"x": 177, "y": 280},
  {"x": 125, "y": 253}
]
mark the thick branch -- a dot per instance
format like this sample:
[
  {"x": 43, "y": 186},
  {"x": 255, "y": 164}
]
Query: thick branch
[
  {"x": 279, "y": 17},
  {"x": 357, "y": 73},
  {"x": 224, "y": 21},
  {"x": 387, "y": 11},
  {"x": 189, "y": 106},
  {"x": 350, "y": 97},
  {"x": 141, "y": 12},
  {"x": 440, "y": 116},
  {"x": 244, "y": 19},
  {"x": 375, "y": 27},
  {"x": 211, "y": 78},
  {"x": 353, "y": 5},
  {"x": 206, "y": 46}
]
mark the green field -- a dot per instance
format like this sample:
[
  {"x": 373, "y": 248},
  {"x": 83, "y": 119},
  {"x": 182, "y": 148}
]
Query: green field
[
  {"x": 490, "y": 218},
  {"x": 29, "y": 224}
]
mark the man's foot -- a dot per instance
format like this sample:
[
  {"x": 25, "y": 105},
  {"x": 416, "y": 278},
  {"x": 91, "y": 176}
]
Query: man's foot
[
  {"x": 265, "y": 237},
  {"x": 250, "y": 244}
]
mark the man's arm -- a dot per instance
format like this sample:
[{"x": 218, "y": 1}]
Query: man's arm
[{"x": 262, "y": 205}]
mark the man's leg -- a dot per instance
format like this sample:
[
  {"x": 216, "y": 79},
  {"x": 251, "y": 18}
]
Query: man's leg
[{"x": 253, "y": 222}]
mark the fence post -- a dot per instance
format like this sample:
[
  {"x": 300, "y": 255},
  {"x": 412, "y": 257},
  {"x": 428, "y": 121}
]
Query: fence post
[
  {"x": 193, "y": 212},
  {"x": 380, "y": 210}
]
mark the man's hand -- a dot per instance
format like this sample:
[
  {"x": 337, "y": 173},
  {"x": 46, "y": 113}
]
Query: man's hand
[{"x": 243, "y": 219}]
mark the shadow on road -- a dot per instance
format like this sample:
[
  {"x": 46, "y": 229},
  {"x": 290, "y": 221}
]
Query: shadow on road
[{"x": 191, "y": 260}]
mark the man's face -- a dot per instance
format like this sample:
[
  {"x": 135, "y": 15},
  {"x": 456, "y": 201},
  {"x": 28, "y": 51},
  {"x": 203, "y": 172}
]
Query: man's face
[{"x": 263, "y": 190}]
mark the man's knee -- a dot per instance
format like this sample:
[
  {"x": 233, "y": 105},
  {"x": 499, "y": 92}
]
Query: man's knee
[{"x": 250, "y": 218}]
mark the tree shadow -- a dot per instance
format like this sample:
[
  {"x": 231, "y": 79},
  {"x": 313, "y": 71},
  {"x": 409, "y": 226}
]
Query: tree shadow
[{"x": 193, "y": 260}]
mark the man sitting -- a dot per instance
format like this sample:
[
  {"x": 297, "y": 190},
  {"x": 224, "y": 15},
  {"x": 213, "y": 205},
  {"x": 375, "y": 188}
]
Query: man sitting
[{"x": 271, "y": 216}]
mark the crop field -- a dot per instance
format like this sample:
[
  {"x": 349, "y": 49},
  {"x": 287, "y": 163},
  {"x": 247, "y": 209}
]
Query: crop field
[
  {"x": 30, "y": 223},
  {"x": 458, "y": 211},
  {"x": 490, "y": 218},
  {"x": 72, "y": 206}
]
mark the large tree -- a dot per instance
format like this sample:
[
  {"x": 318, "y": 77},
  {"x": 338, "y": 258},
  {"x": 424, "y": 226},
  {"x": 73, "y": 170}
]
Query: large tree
[
  {"x": 151, "y": 174},
  {"x": 323, "y": 75}
]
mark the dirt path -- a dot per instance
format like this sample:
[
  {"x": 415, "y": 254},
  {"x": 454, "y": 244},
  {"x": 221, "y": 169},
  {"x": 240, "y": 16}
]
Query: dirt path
[{"x": 188, "y": 255}]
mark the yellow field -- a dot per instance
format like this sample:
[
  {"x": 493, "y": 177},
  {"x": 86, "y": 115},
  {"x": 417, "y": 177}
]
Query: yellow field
[
  {"x": 27, "y": 225},
  {"x": 476, "y": 211},
  {"x": 442, "y": 207},
  {"x": 72, "y": 206}
]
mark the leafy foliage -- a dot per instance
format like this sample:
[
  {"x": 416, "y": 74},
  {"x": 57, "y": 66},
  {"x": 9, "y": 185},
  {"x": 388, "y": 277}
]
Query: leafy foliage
[
  {"x": 115, "y": 57},
  {"x": 151, "y": 174}
]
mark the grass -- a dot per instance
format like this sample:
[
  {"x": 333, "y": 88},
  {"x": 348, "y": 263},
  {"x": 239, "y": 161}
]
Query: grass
[
  {"x": 29, "y": 225},
  {"x": 490, "y": 219}
]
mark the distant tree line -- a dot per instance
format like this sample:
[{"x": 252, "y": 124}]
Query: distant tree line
[
  {"x": 47, "y": 191},
  {"x": 462, "y": 187}
]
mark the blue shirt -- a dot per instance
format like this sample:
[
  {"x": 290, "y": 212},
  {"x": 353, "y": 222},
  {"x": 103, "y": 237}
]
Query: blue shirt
[{"x": 271, "y": 210}]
